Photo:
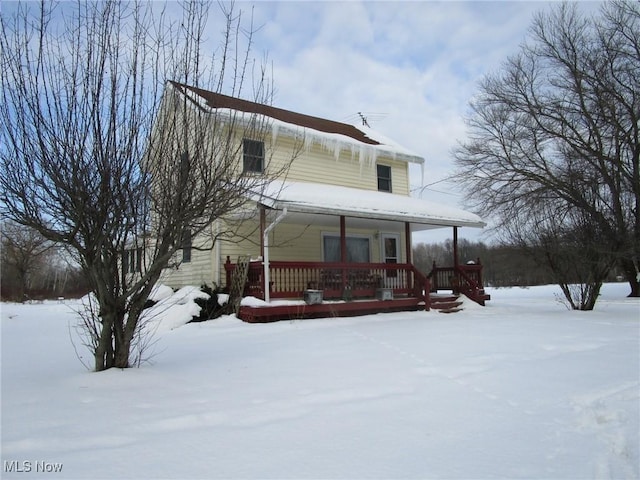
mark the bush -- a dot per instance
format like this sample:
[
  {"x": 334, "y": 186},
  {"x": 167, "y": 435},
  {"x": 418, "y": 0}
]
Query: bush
[{"x": 209, "y": 308}]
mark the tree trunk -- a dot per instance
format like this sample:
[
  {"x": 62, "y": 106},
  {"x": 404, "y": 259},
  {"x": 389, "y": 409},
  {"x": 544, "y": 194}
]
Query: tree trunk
[
  {"x": 104, "y": 350},
  {"x": 630, "y": 273},
  {"x": 121, "y": 356}
]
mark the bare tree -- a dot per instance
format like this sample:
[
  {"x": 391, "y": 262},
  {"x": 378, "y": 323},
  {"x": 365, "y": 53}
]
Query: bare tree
[
  {"x": 94, "y": 156},
  {"x": 557, "y": 130},
  {"x": 23, "y": 256},
  {"x": 565, "y": 242}
]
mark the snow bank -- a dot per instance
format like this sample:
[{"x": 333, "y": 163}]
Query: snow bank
[
  {"x": 160, "y": 292},
  {"x": 173, "y": 310}
]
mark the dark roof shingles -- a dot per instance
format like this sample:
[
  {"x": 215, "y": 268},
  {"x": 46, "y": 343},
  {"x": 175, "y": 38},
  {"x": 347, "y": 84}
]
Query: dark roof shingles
[{"x": 217, "y": 100}]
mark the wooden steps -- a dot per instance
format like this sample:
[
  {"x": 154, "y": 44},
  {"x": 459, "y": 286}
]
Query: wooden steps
[{"x": 446, "y": 303}]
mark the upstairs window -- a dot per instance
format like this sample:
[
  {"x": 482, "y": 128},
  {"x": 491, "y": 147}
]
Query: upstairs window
[
  {"x": 253, "y": 156},
  {"x": 132, "y": 260},
  {"x": 384, "y": 178},
  {"x": 186, "y": 246}
]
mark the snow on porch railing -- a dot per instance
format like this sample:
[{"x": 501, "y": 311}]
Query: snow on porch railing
[{"x": 337, "y": 280}]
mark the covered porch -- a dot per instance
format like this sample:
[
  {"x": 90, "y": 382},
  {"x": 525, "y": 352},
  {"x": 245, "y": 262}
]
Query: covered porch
[{"x": 343, "y": 283}]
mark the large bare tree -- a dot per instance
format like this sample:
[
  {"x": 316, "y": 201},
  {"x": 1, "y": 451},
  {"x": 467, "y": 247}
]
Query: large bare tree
[
  {"x": 557, "y": 131},
  {"x": 94, "y": 156}
]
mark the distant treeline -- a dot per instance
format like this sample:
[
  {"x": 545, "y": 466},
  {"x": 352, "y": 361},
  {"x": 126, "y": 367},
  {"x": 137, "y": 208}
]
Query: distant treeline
[{"x": 503, "y": 265}]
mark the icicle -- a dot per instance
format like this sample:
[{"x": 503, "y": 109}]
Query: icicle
[
  {"x": 374, "y": 157},
  {"x": 274, "y": 132},
  {"x": 308, "y": 141},
  {"x": 337, "y": 148}
]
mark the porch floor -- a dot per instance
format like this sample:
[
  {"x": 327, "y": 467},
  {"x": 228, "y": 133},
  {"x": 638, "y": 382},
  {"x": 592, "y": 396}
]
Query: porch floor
[{"x": 274, "y": 313}]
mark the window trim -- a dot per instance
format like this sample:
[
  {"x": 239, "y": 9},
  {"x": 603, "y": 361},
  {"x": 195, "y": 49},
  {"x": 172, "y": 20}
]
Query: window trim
[
  {"x": 187, "y": 243},
  {"x": 132, "y": 260},
  {"x": 252, "y": 159},
  {"x": 369, "y": 238},
  {"x": 385, "y": 179}
]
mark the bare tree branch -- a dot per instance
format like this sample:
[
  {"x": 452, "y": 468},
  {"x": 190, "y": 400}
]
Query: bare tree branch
[
  {"x": 102, "y": 149},
  {"x": 557, "y": 130}
]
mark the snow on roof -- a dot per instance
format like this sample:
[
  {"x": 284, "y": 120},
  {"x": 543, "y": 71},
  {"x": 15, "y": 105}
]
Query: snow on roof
[
  {"x": 337, "y": 200},
  {"x": 334, "y": 136}
]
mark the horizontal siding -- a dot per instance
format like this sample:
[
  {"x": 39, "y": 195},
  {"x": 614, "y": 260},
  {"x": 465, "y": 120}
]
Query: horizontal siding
[
  {"x": 288, "y": 242},
  {"x": 311, "y": 163},
  {"x": 319, "y": 165},
  {"x": 303, "y": 243},
  {"x": 198, "y": 271}
]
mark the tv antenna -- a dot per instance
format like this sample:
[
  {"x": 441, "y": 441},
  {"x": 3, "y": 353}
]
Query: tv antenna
[{"x": 364, "y": 119}]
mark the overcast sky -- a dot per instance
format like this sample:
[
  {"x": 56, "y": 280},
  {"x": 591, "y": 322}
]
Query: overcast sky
[{"x": 411, "y": 67}]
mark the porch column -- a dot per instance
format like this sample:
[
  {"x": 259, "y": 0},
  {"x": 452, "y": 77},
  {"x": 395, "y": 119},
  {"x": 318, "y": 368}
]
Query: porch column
[
  {"x": 407, "y": 241},
  {"x": 343, "y": 240},
  {"x": 455, "y": 247},
  {"x": 343, "y": 250}
]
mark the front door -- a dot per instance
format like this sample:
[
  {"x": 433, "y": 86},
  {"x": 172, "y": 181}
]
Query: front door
[{"x": 390, "y": 254}]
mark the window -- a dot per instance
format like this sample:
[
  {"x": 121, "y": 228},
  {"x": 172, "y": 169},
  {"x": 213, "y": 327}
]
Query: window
[
  {"x": 186, "y": 246},
  {"x": 132, "y": 260},
  {"x": 384, "y": 178},
  {"x": 253, "y": 156},
  {"x": 358, "y": 249}
]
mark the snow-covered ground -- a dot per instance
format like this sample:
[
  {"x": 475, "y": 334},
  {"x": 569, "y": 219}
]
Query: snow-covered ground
[{"x": 522, "y": 388}]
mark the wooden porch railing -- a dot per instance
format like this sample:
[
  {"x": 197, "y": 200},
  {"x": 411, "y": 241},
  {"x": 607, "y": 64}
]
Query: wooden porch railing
[
  {"x": 465, "y": 279},
  {"x": 337, "y": 280}
]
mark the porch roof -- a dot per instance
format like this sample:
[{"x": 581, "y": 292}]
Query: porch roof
[{"x": 313, "y": 198}]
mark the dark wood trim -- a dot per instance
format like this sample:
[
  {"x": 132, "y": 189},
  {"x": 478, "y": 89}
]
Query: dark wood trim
[
  {"x": 290, "y": 279},
  {"x": 343, "y": 250},
  {"x": 343, "y": 239},
  {"x": 268, "y": 314},
  {"x": 455, "y": 247},
  {"x": 407, "y": 240}
]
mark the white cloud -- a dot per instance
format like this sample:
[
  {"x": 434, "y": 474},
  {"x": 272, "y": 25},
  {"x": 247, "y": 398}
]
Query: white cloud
[{"x": 417, "y": 62}]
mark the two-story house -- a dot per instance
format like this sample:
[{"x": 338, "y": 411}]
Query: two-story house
[{"x": 338, "y": 220}]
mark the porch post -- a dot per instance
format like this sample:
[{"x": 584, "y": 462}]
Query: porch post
[
  {"x": 343, "y": 240},
  {"x": 455, "y": 247},
  {"x": 407, "y": 241},
  {"x": 343, "y": 250}
]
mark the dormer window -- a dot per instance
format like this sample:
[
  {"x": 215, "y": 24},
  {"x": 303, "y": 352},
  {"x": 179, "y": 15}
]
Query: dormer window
[
  {"x": 253, "y": 156},
  {"x": 384, "y": 178}
]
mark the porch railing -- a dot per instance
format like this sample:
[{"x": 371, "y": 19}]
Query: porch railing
[
  {"x": 337, "y": 280},
  {"x": 465, "y": 279}
]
